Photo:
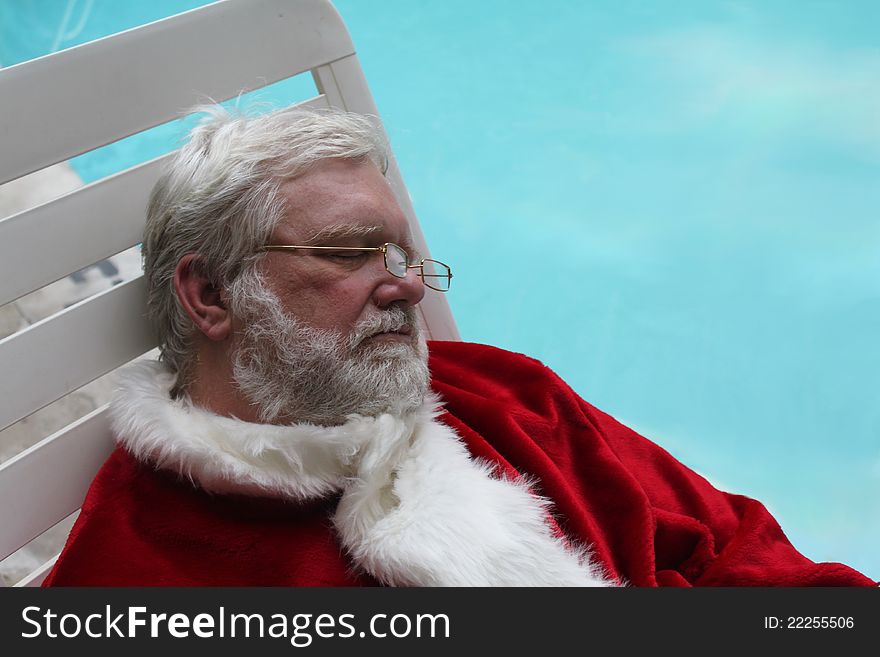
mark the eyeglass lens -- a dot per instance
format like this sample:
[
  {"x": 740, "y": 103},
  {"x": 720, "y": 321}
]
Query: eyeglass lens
[
  {"x": 395, "y": 260},
  {"x": 436, "y": 275}
]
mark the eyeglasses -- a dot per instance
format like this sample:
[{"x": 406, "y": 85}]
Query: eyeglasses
[{"x": 434, "y": 274}]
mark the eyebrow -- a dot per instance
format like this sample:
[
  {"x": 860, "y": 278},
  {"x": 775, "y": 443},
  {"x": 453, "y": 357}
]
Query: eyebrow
[{"x": 339, "y": 231}]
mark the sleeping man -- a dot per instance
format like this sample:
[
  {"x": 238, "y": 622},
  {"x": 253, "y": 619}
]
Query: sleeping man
[{"x": 300, "y": 431}]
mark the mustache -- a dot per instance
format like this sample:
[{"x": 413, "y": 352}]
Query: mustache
[{"x": 393, "y": 319}]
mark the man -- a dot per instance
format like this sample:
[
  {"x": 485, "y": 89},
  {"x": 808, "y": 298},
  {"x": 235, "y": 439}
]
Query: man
[{"x": 292, "y": 434}]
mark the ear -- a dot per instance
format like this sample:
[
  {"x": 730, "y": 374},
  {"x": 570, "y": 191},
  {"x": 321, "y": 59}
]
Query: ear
[{"x": 201, "y": 298}]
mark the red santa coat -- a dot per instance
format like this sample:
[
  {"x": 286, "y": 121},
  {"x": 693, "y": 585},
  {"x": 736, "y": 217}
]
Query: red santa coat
[{"x": 648, "y": 519}]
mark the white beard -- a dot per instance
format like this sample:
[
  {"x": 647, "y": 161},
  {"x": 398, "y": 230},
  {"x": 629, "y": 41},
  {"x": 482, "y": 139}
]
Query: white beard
[{"x": 292, "y": 371}]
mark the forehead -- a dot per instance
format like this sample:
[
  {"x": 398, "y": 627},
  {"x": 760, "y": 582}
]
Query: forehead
[{"x": 340, "y": 198}]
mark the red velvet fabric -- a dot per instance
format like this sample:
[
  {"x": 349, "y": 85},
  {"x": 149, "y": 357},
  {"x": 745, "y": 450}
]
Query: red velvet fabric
[{"x": 650, "y": 520}]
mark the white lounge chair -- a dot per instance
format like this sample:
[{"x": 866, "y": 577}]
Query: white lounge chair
[{"x": 71, "y": 102}]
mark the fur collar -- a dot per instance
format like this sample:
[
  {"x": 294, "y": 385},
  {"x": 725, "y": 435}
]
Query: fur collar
[{"x": 415, "y": 509}]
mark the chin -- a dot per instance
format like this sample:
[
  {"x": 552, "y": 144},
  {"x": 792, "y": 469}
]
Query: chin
[{"x": 389, "y": 349}]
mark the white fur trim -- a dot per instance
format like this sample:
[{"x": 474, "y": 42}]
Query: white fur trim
[{"x": 415, "y": 510}]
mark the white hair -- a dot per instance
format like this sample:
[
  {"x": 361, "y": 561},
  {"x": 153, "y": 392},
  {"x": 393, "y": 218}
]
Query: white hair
[{"x": 219, "y": 198}]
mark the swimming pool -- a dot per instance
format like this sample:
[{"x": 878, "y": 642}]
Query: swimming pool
[{"x": 705, "y": 179}]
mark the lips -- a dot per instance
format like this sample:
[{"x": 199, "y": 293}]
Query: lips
[
  {"x": 403, "y": 333},
  {"x": 393, "y": 325}
]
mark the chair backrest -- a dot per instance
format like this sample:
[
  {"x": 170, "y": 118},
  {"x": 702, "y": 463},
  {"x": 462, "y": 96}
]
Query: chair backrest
[{"x": 74, "y": 101}]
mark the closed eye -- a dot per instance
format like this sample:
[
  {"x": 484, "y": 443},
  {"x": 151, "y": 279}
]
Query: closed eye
[{"x": 346, "y": 255}]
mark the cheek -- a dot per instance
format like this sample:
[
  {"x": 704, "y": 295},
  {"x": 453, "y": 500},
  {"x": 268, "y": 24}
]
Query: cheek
[
  {"x": 300, "y": 291},
  {"x": 323, "y": 300},
  {"x": 342, "y": 306},
  {"x": 336, "y": 306}
]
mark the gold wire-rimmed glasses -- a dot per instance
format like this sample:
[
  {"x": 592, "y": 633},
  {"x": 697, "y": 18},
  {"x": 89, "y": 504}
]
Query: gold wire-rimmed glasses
[{"x": 434, "y": 274}]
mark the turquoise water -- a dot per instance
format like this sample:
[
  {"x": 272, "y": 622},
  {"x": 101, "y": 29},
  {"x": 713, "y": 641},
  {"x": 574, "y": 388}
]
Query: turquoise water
[{"x": 671, "y": 204}]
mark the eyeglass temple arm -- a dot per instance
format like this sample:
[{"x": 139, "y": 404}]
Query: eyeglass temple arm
[
  {"x": 421, "y": 265},
  {"x": 278, "y": 247}
]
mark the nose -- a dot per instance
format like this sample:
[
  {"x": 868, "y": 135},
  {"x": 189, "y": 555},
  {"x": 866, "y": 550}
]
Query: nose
[{"x": 392, "y": 290}]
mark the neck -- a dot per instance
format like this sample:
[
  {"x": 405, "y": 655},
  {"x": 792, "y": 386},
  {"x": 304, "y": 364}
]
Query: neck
[{"x": 212, "y": 387}]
